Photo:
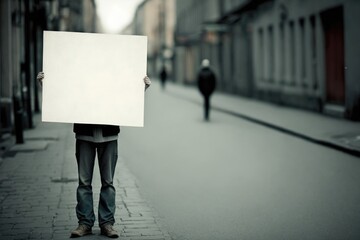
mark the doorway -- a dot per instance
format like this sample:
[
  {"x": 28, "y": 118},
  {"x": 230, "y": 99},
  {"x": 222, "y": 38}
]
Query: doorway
[{"x": 333, "y": 23}]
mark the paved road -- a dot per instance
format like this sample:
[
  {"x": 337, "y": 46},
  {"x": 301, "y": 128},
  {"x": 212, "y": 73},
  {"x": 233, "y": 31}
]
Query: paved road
[{"x": 232, "y": 179}]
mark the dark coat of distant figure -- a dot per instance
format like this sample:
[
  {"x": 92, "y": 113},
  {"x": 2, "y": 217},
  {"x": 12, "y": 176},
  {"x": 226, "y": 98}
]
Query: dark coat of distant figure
[
  {"x": 206, "y": 85},
  {"x": 163, "y": 77}
]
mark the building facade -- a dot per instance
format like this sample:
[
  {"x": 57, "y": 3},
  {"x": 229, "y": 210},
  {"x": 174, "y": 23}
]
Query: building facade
[
  {"x": 299, "y": 53},
  {"x": 156, "y": 20},
  {"x": 192, "y": 42},
  {"x": 22, "y": 25},
  {"x": 305, "y": 54}
]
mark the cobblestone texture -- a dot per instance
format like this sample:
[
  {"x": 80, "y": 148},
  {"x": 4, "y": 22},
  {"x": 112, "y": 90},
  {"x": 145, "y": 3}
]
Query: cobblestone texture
[{"x": 38, "y": 192}]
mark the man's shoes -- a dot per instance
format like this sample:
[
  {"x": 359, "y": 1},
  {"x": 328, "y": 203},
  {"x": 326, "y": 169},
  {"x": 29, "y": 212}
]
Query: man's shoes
[
  {"x": 80, "y": 231},
  {"x": 108, "y": 230}
]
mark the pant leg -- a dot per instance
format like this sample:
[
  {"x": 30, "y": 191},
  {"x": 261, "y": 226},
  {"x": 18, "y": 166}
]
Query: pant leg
[
  {"x": 107, "y": 156},
  {"x": 85, "y": 156},
  {"x": 207, "y": 107}
]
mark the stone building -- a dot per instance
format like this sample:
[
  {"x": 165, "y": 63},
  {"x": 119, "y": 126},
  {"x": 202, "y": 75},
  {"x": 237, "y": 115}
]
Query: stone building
[
  {"x": 22, "y": 23},
  {"x": 156, "y": 20},
  {"x": 299, "y": 53},
  {"x": 193, "y": 42},
  {"x": 305, "y": 54}
]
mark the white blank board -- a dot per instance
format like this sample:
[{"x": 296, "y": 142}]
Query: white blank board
[{"x": 94, "y": 78}]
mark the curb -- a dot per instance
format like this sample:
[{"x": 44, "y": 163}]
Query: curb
[{"x": 322, "y": 142}]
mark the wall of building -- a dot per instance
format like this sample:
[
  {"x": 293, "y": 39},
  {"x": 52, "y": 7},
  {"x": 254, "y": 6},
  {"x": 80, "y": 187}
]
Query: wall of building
[
  {"x": 230, "y": 5},
  {"x": 5, "y": 65},
  {"x": 290, "y": 59},
  {"x": 240, "y": 58},
  {"x": 191, "y": 18},
  {"x": 287, "y": 53},
  {"x": 197, "y": 31},
  {"x": 77, "y": 16},
  {"x": 21, "y": 26},
  {"x": 352, "y": 59},
  {"x": 89, "y": 16},
  {"x": 275, "y": 50},
  {"x": 156, "y": 20}
]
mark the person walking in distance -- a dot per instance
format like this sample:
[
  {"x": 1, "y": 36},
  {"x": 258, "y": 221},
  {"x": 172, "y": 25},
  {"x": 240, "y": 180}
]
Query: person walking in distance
[
  {"x": 92, "y": 139},
  {"x": 206, "y": 84}
]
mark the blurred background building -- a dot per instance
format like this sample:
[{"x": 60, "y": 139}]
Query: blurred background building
[
  {"x": 156, "y": 20},
  {"x": 299, "y": 53},
  {"x": 21, "y": 24}
]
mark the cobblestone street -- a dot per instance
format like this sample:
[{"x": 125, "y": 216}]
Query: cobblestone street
[{"x": 38, "y": 183}]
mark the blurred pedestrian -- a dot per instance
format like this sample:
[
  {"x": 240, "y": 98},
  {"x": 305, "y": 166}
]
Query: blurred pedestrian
[
  {"x": 206, "y": 85},
  {"x": 163, "y": 77},
  {"x": 92, "y": 139}
]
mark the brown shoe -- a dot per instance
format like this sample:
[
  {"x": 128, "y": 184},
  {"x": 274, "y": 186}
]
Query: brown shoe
[
  {"x": 80, "y": 231},
  {"x": 108, "y": 230}
]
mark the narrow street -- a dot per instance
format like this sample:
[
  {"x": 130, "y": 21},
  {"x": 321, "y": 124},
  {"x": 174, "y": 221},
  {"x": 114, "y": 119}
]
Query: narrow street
[
  {"x": 278, "y": 160},
  {"x": 182, "y": 178},
  {"x": 233, "y": 179}
]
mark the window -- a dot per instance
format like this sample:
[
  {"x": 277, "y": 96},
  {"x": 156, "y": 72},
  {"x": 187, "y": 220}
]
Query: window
[
  {"x": 282, "y": 52},
  {"x": 261, "y": 59},
  {"x": 271, "y": 53},
  {"x": 313, "y": 58},
  {"x": 302, "y": 49},
  {"x": 292, "y": 58}
]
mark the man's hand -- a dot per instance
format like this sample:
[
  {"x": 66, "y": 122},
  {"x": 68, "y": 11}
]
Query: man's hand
[
  {"x": 40, "y": 77},
  {"x": 147, "y": 82}
]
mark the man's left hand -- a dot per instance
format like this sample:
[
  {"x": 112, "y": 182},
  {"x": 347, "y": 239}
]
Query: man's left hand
[{"x": 147, "y": 82}]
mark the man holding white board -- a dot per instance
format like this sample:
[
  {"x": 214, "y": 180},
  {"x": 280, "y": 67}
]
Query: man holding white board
[{"x": 91, "y": 81}]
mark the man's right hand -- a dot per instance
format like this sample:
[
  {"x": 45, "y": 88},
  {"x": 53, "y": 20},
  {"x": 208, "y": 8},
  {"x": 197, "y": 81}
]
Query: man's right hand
[{"x": 40, "y": 77}]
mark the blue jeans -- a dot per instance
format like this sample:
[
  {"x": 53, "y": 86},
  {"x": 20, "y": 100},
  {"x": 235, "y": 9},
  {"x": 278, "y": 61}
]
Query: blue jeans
[{"x": 107, "y": 153}]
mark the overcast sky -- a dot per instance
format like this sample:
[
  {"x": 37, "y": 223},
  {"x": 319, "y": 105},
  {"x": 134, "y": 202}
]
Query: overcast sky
[{"x": 115, "y": 15}]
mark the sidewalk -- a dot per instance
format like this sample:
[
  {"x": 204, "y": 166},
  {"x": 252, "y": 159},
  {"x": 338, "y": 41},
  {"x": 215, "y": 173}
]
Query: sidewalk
[
  {"x": 38, "y": 183},
  {"x": 340, "y": 134}
]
